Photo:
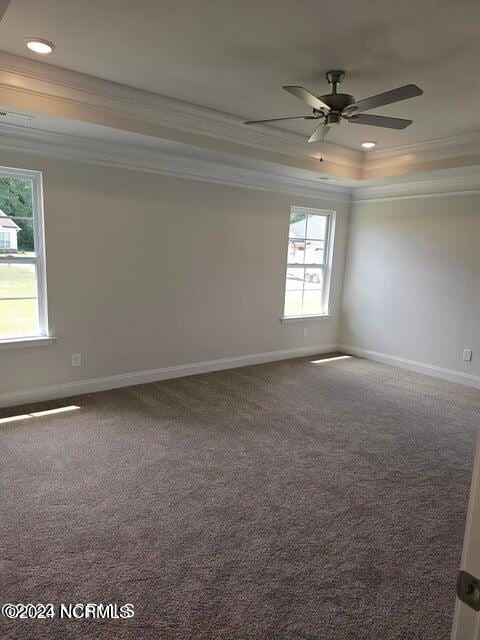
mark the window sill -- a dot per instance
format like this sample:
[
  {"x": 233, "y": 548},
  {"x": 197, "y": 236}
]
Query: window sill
[
  {"x": 39, "y": 341},
  {"x": 288, "y": 319}
]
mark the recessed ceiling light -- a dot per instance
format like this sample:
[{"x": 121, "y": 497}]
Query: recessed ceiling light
[
  {"x": 368, "y": 145},
  {"x": 38, "y": 45}
]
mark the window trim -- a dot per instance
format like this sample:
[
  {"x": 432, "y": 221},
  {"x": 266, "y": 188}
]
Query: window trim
[
  {"x": 15, "y": 343},
  {"x": 326, "y": 266},
  {"x": 313, "y": 316},
  {"x": 39, "y": 260}
]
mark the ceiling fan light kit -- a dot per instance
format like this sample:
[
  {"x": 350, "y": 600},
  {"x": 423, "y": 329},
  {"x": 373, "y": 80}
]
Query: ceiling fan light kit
[{"x": 333, "y": 107}]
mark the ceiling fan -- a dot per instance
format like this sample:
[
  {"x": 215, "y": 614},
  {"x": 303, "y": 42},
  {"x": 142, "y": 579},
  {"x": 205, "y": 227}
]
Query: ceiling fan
[{"x": 330, "y": 109}]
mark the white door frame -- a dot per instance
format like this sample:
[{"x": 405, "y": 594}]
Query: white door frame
[{"x": 466, "y": 621}]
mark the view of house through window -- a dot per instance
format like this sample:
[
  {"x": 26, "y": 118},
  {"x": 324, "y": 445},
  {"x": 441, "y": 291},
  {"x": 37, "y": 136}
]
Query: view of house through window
[
  {"x": 308, "y": 262},
  {"x": 22, "y": 276}
]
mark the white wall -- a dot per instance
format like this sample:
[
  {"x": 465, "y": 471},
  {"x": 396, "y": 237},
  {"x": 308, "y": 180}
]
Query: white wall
[
  {"x": 147, "y": 271},
  {"x": 412, "y": 281}
]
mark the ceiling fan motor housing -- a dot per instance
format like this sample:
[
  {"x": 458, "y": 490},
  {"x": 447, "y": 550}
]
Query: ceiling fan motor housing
[{"x": 337, "y": 103}]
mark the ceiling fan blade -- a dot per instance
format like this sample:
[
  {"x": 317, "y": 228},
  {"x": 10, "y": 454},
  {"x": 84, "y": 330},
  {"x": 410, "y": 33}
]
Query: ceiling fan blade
[
  {"x": 379, "y": 121},
  {"x": 308, "y": 98},
  {"x": 319, "y": 133},
  {"x": 3, "y": 7},
  {"x": 381, "y": 99},
  {"x": 278, "y": 119}
]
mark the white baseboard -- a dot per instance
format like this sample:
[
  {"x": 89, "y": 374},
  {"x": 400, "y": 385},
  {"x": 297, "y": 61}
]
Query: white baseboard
[
  {"x": 420, "y": 367},
  {"x": 141, "y": 377}
]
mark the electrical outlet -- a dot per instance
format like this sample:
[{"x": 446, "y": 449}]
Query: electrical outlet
[
  {"x": 305, "y": 332},
  {"x": 467, "y": 355},
  {"x": 76, "y": 359}
]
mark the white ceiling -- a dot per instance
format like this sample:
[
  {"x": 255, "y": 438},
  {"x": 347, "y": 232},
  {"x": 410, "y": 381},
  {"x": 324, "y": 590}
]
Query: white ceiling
[{"x": 234, "y": 55}]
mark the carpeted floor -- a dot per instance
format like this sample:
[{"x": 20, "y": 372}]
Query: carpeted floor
[{"x": 292, "y": 500}]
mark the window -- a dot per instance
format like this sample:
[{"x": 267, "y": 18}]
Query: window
[
  {"x": 308, "y": 262},
  {"x": 23, "y": 312},
  {"x": 4, "y": 239}
]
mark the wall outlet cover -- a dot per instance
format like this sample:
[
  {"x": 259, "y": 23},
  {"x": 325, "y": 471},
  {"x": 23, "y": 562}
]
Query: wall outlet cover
[{"x": 76, "y": 359}]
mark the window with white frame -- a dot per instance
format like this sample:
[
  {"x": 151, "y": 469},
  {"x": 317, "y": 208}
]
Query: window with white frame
[
  {"x": 308, "y": 262},
  {"x": 23, "y": 312}
]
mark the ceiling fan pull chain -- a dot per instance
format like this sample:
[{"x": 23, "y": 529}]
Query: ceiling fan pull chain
[{"x": 322, "y": 143}]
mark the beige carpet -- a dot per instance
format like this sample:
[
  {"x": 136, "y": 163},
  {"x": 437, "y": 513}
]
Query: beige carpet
[{"x": 292, "y": 500}]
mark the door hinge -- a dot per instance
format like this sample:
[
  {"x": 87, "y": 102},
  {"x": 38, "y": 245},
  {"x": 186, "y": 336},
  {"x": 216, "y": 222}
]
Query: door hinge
[{"x": 468, "y": 590}]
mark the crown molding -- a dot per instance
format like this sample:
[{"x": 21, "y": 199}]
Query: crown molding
[
  {"x": 466, "y": 143},
  {"x": 29, "y": 84},
  {"x": 429, "y": 188},
  {"x": 137, "y": 158},
  {"x": 444, "y": 153}
]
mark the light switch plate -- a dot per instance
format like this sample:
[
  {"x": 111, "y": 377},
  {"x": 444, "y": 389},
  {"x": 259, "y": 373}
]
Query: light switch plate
[{"x": 76, "y": 359}]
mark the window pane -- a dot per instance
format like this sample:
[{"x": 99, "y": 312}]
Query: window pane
[
  {"x": 18, "y": 318},
  {"x": 16, "y": 196},
  {"x": 295, "y": 278},
  {"x": 314, "y": 253},
  {"x": 16, "y": 202},
  {"x": 297, "y": 225},
  {"x": 293, "y": 303},
  {"x": 313, "y": 278},
  {"x": 296, "y": 251},
  {"x": 316, "y": 227},
  {"x": 17, "y": 280},
  {"x": 16, "y": 236},
  {"x": 312, "y": 302}
]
